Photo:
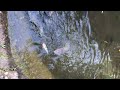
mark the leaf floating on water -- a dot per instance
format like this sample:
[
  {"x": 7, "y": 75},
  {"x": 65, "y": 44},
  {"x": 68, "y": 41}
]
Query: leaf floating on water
[{"x": 45, "y": 47}]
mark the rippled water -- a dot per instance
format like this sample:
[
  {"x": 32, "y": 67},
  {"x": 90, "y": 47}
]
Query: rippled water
[{"x": 71, "y": 44}]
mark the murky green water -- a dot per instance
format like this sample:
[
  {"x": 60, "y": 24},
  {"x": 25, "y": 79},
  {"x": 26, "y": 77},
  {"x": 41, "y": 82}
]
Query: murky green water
[
  {"x": 69, "y": 44},
  {"x": 106, "y": 27}
]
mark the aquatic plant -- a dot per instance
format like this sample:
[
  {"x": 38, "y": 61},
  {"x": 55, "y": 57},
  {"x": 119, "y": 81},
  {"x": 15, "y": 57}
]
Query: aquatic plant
[{"x": 31, "y": 66}]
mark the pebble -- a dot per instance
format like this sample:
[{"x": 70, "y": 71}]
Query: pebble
[
  {"x": 6, "y": 73},
  {"x": 6, "y": 77}
]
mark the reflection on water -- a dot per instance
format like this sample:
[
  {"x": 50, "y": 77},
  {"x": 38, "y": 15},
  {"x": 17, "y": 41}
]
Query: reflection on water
[{"x": 70, "y": 44}]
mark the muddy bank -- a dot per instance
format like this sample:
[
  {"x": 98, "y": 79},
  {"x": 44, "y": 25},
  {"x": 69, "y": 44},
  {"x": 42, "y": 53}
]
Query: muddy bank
[{"x": 6, "y": 62}]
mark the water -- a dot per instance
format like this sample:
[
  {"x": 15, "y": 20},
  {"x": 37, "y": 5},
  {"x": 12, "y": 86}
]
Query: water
[{"x": 71, "y": 44}]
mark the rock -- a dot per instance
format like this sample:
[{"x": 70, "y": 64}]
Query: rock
[{"x": 13, "y": 75}]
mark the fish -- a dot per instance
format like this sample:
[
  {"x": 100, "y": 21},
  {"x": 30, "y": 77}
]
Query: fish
[
  {"x": 35, "y": 43},
  {"x": 61, "y": 51}
]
